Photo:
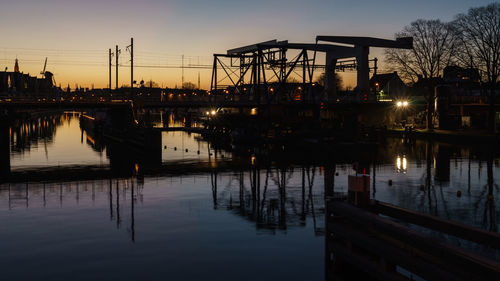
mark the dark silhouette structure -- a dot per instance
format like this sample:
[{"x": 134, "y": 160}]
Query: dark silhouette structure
[{"x": 251, "y": 68}]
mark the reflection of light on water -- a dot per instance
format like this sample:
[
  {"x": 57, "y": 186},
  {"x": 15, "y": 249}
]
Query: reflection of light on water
[
  {"x": 401, "y": 164},
  {"x": 90, "y": 139}
]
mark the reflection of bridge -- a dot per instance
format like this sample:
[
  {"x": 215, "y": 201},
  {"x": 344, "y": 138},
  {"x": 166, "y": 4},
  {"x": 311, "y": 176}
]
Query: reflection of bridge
[{"x": 271, "y": 201}]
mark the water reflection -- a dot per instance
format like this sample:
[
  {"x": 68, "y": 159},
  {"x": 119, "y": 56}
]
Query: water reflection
[
  {"x": 272, "y": 198},
  {"x": 271, "y": 204},
  {"x": 401, "y": 164},
  {"x": 120, "y": 194},
  {"x": 151, "y": 212},
  {"x": 426, "y": 176},
  {"x": 52, "y": 140}
]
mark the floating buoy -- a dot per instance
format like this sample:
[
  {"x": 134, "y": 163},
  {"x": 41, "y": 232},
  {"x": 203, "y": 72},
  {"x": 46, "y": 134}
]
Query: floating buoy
[
  {"x": 390, "y": 182},
  {"x": 422, "y": 187},
  {"x": 175, "y": 148},
  {"x": 186, "y": 150},
  {"x": 459, "y": 193},
  {"x": 198, "y": 152}
]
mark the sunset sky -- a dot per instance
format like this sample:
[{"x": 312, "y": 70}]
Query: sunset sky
[{"x": 75, "y": 35}]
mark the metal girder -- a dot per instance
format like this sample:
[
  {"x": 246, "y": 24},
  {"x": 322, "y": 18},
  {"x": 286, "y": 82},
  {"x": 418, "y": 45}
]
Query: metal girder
[
  {"x": 249, "y": 48},
  {"x": 337, "y": 51},
  {"x": 312, "y": 47},
  {"x": 400, "y": 43},
  {"x": 233, "y": 56}
]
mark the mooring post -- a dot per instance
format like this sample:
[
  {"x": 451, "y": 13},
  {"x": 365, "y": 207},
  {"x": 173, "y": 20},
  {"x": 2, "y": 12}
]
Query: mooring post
[
  {"x": 4, "y": 149},
  {"x": 359, "y": 190}
]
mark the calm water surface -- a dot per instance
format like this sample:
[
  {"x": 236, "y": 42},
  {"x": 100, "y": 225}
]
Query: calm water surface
[{"x": 212, "y": 226}]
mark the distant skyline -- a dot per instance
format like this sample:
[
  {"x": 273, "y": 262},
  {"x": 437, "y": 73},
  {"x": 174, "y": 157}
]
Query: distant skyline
[{"x": 76, "y": 35}]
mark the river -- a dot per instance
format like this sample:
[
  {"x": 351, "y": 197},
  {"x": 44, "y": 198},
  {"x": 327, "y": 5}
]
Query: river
[{"x": 265, "y": 223}]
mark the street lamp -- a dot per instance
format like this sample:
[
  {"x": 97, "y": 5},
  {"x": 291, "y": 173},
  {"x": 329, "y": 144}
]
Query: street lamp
[{"x": 402, "y": 103}]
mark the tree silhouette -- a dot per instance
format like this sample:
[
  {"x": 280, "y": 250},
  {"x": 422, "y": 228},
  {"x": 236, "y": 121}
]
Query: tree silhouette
[
  {"x": 188, "y": 86},
  {"x": 433, "y": 46},
  {"x": 478, "y": 34},
  {"x": 338, "y": 81}
]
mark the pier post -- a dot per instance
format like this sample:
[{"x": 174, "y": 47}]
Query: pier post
[
  {"x": 329, "y": 180},
  {"x": 4, "y": 149},
  {"x": 359, "y": 190}
]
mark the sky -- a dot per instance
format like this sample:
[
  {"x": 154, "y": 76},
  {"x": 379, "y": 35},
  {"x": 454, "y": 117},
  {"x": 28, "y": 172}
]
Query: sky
[{"x": 75, "y": 35}]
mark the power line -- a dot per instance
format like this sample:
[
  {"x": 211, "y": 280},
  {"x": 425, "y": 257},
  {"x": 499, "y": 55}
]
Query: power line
[
  {"x": 173, "y": 66},
  {"x": 52, "y": 50}
]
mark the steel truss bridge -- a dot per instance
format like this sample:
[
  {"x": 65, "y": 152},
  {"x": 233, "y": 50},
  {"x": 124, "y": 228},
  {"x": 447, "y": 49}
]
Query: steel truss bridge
[{"x": 263, "y": 72}]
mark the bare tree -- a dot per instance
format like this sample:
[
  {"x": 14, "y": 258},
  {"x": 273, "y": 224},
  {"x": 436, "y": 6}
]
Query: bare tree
[
  {"x": 188, "y": 86},
  {"x": 433, "y": 45},
  {"x": 478, "y": 34},
  {"x": 152, "y": 84}
]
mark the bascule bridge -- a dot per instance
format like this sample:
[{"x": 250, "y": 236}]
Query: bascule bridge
[{"x": 264, "y": 71}]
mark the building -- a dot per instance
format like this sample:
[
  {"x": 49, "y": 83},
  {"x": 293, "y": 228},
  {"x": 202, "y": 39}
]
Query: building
[
  {"x": 388, "y": 86},
  {"x": 17, "y": 83},
  {"x": 457, "y": 74}
]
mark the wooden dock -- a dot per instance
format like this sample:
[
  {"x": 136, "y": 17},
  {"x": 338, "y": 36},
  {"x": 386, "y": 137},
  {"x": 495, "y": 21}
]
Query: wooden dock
[{"x": 359, "y": 240}]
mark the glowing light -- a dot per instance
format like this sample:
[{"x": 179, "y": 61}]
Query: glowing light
[
  {"x": 213, "y": 112},
  {"x": 403, "y": 103},
  {"x": 401, "y": 164},
  {"x": 253, "y": 111}
]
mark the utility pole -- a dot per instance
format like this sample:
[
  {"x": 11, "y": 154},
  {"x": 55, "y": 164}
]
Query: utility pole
[
  {"x": 182, "y": 81},
  {"x": 110, "y": 56},
  {"x": 131, "y": 49},
  {"x": 117, "y": 53},
  {"x": 131, "y": 63}
]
